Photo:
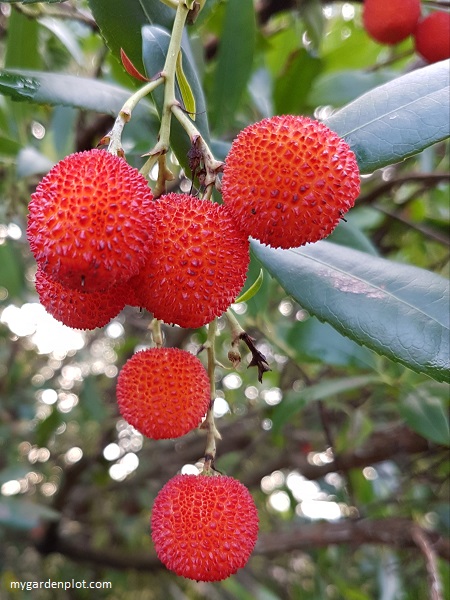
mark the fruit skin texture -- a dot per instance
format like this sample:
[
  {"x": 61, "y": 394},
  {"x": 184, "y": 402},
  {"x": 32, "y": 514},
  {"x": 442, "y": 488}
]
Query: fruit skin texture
[
  {"x": 204, "y": 527},
  {"x": 288, "y": 180},
  {"x": 432, "y": 37},
  {"x": 78, "y": 309},
  {"x": 197, "y": 262},
  {"x": 390, "y": 21},
  {"x": 163, "y": 392},
  {"x": 89, "y": 221}
]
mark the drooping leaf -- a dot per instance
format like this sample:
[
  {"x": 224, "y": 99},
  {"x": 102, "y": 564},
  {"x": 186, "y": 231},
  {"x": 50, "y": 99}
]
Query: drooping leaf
[
  {"x": 121, "y": 23},
  {"x": 425, "y": 409},
  {"x": 234, "y": 62},
  {"x": 398, "y": 119},
  {"x": 399, "y": 311},
  {"x": 66, "y": 90}
]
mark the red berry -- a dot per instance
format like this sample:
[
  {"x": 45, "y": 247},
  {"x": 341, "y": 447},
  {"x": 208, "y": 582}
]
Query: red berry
[
  {"x": 204, "y": 527},
  {"x": 432, "y": 37},
  {"x": 197, "y": 262},
  {"x": 89, "y": 221},
  {"x": 163, "y": 392},
  {"x": 288, "y": 180},
  {"x": 390, "y": 21},
  {"x": 78, "y": 309}
]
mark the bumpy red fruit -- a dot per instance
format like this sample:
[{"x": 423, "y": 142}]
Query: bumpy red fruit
[
  {"x": 204, "y": 527},
  {"x": 78, "y": 309},
  {"x": 89, "y": 221},
  {"x": 163, "y": 392},
  {"x": 390, "y": 21},
  {"x": 288, "y": 180},
  {"x": 432, "y": 37},
  {"x": 197, "y": 262}
]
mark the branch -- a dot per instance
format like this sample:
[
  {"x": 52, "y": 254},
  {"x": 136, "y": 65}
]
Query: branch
[
  {"x": 422, "y": 540},
  {"x": 386, "y": 444},
  {"x": 428, "y": 179},
  {"x": 398, "y": 533}
]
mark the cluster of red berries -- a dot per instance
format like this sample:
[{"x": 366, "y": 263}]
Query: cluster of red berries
[
  {"x": 392, "y": 21},
  {"x": 102, "y": 241}
]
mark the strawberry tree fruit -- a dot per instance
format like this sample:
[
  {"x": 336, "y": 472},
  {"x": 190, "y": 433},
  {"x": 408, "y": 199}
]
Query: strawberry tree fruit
[
  {"x": 288, "y": 180},
  {"x": 432, "y": 36},
  {"x": 390, "y": 21},
  {"x": 80, "y": 310},
  {"x": 204, "y": 527},
  {"x": 90, "y": 220},
  {"x": 197, "y": 262},
  {"x": 163, "y": 392}
]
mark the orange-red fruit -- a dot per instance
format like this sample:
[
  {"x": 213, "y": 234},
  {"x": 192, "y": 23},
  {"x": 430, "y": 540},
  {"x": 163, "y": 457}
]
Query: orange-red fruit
[
  {"x": 204, "y": 527},
  {"x": 197, "y": 262},
  {"x": 89, "y": 221},
  {"x": 163, "y": 392},
  {"x": 288, "y": 180},
  {"x": 390, "y": 21},
  {"x": 78, "y": 309},
  {"x": 432, "y": 37}
]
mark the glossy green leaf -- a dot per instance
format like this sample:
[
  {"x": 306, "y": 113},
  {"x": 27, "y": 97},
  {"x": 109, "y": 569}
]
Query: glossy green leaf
[
  {"x": 65, "y": 90},
  {"x": 234, "y": 62},
  {"x": 425, "y": 409},
  {"x": 121, "y": 24},
  {"x": 398, "y": 119},
  {"x": 185, "y": 89},
  {"x": 399, "y": 311}
]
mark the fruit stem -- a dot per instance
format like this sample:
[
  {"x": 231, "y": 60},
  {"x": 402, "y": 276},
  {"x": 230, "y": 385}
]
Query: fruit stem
[
  {"x": 212, "y": 433},
  {"x": 170, "y": 3},
  {"x": 155, "y": 327},
  {"x": 115, "y": 135},
  {"x": 235, "y": 328},
  {"x": 212, "y": 166},
  {"x": 168, "y": 73}
]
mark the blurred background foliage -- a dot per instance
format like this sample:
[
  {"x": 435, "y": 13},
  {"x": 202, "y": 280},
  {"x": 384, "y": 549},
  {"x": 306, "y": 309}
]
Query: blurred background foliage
[{"x": 344, "y": 450}]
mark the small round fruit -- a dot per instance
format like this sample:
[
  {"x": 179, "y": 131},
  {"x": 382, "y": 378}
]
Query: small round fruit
[
  {"x": 197, "y": 262},
  {"x": 432, "y": 37},
  {"x": 204, "y": 527},
  {"x": 163, "y": 392},
  {"x": 288, "y": 180},
  {"x": 78, "y": 309},
  {"x": 89, "y": 221},
  {"x": 390, "y": 21}
]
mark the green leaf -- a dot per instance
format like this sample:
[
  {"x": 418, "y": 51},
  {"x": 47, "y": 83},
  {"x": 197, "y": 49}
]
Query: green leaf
[
  {"x": 293, "y": 402},
  {"x": 185, "y": 88},
  {"x": 46, "y": 428},
  {"x": 66, "y": 90},
  {"x": 398, "y": 119},
  {"x": 294, "y": 82},
  {"x": 253, "y": 289},
  {"x": 33, "y": 1},
  {"x": 425, "y": 409},
  {"x": 155, "y": 45},
  {"x": 341, "y": 87},
  {"x": 19, "y": 513},
  {"x": 121, "y": 23},
  {"x": 399, "y": 311},
  {"x": 12, "y": 270},
  {"x": 234, "y": 62},
  {"x": 315, "y": 341}
]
